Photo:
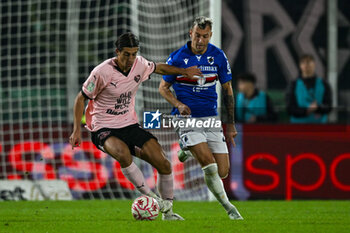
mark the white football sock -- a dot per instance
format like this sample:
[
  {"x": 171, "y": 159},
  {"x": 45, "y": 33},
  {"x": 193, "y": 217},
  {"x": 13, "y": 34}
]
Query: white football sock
[{"x": 216, "y": 186}]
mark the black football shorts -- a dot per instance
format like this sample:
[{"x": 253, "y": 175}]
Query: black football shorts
[{"x": 132, "y": 135}]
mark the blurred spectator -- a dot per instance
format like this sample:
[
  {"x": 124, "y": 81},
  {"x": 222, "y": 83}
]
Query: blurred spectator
[
  {"x": 309, "y": 97},
  {"x": 252, "y": 104}
]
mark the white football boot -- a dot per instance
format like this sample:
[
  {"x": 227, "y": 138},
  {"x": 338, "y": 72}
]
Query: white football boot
[
  {"x": 233, "y": 214},
  {"x": 170, "y": 216},
  {"x": 164, "y": 205}
]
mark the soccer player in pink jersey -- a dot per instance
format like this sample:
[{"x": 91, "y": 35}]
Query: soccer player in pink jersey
[{"x": 111, "y": 117}]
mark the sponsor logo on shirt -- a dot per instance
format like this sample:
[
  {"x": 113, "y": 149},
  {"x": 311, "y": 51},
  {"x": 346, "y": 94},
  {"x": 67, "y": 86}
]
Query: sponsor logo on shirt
[
  {"x": 123, "y": 101},
  {"x": 208, "y": 68},
  {"x": 122, "y": 104},
  {"x": 198, "y": 57},
  {"x": 228, "y": 65},
  {"x": 199, "y": 89},
  {"x": 137, "y": 78},
  {"x": 228, "y": 68},
  {"x": 114, "y": 84},
  {"x": 103, "y": 135},
  {"x": 91, "y": 86},
  {"x": 110, "y": 111}
]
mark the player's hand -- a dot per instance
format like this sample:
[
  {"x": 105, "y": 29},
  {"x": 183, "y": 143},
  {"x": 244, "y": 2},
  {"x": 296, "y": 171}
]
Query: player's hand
[
  {"x": 75, "y": 139},
  {"x": 184, "y": 109},
  {"x": 192, "y": 72},
  {"x": 230, "y": 134}
]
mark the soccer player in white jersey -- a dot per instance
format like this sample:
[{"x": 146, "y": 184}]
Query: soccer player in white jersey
[
  {"x": 198, "y": 100},
  {"x": 111, "y": 117}
]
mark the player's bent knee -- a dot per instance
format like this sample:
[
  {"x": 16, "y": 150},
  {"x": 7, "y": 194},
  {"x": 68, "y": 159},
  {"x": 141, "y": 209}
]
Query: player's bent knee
[
  {"x": 165, "y": 167},
  {"x": 206, "y": 161},
  {"x": 124, "y": 158},
  {"x": 125, "y": 161},
  {"x": 204, "y": 158},
  {"x": 122, "y": 152},
  {"x": 118, "y": 151},
  {"x": 223, "y": 175},
  {"x": 223, "y": 172}
]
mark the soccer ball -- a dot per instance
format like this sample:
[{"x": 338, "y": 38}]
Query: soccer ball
[{"x": 145, "y": 208}]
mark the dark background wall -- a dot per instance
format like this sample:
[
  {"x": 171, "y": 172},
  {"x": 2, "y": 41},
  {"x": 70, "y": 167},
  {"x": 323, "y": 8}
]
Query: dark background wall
[{"x": 267, "y": 37}]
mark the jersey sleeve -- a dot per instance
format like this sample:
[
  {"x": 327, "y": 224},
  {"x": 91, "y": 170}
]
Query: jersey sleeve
[
  {"x": 93, "y": 85},
  {"x": 169, "y": 78},
  {"x": 224, "y": 71},
  {"x": 149, "y": 68}
]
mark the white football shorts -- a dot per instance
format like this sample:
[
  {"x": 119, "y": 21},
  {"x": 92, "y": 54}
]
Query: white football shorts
[{"x": 192, "y": 134}]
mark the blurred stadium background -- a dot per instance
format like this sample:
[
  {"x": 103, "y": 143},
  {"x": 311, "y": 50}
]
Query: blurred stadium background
[{"x": 48, "y": 49}]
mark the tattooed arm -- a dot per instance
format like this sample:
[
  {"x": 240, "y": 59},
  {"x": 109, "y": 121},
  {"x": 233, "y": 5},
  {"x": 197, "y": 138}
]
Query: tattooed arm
[{"x": 231, "y": 131}]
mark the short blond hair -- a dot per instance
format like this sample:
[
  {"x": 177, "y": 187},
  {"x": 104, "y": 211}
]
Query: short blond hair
[{"x": 202, "y": 22}]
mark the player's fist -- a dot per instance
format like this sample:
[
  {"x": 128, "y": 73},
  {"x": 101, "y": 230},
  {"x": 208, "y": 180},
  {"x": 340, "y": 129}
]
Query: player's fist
[
  {"x": 184, "y": 109},
  {"x": 192, "y": 72},
  {"x": 231, "y": 133},
  {"x": 75, "y": 139}
]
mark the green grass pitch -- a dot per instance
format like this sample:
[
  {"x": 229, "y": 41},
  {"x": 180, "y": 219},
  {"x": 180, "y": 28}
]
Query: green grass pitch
[{"x": 115, "y": 216}]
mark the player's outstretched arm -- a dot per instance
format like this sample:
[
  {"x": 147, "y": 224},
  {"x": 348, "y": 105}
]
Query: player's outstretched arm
[
  {"x": 165, "y": 69},
  {"x": 231, "y": 131},
  {"x": 164, "y": 90},
  {"x": 75, "y": 138}
]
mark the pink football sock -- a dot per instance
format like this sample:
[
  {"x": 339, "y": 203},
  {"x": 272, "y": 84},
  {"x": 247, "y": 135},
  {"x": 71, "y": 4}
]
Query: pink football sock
[
  {"x": 135, "y": 176},
  {"x": 166, "y": 186}
]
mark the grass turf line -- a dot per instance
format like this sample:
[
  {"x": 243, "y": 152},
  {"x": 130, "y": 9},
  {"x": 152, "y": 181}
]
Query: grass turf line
[{"x": 115, "y": 216}]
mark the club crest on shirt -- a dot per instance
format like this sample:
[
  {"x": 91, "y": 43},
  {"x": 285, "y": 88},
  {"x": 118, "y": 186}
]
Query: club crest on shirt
[
  {"x": 186, "y": 60},
  {"x": 201, "y": 81},
  {"x": 210, "y": 60},
  {"x": 137, "y": 78}
]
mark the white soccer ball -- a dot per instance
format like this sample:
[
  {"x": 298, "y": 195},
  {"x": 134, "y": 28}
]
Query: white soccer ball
[{"x": 145, "y": 208}]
